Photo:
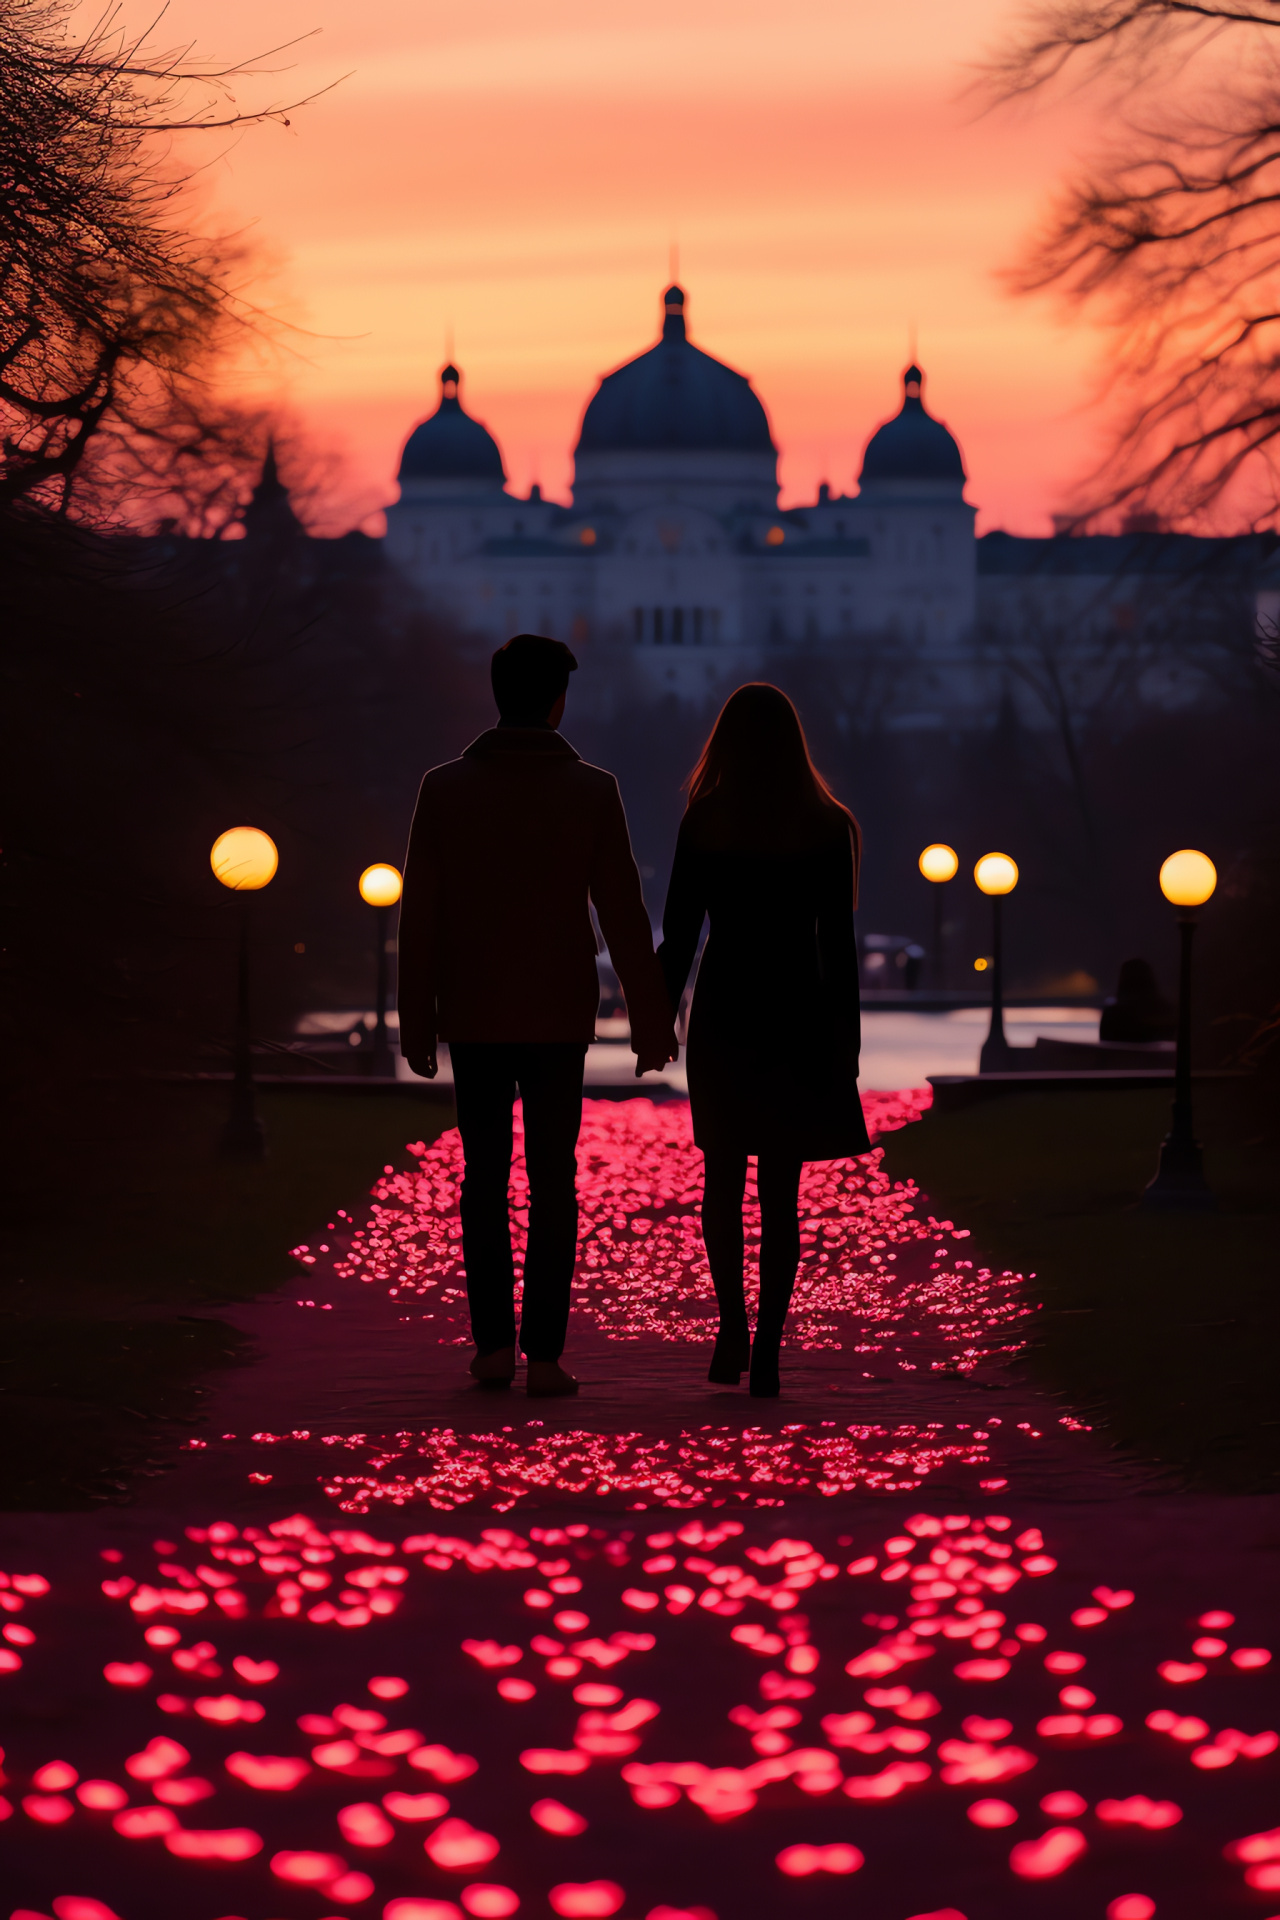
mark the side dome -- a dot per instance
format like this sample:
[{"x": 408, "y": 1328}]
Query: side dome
[
  {"x": 450, "y": 445},
  {"x": 913, "y": 445},
  {"x": 675, "y": 396}
]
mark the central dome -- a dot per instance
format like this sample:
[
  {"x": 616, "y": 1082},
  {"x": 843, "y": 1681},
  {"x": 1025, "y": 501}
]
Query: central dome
[{"x": 675, "y": 397}]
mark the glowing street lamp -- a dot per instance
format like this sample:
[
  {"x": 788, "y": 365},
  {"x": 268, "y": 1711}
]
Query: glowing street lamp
[
  {"x": 244, "y": 859},
  {"x": 1187, "y": 880},
  {"x": 939, "y": 863},
  {"x": 996, "y": 875},
  {"x": 380, "y": 889}
]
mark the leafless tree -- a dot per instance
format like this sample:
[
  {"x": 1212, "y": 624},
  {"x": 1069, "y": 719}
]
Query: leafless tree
[
  {"x": 1172, "y": 239},
  {"x": 113, "y": 312}
]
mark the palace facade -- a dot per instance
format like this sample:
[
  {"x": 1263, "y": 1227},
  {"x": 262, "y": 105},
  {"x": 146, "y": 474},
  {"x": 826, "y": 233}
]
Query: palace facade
[{"x": 676, "y": 571}]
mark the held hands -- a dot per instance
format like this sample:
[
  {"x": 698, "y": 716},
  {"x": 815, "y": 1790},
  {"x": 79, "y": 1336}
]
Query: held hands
[
  {"x": 653, "y": 1051},
  {"x": 425, "y": 1064}
]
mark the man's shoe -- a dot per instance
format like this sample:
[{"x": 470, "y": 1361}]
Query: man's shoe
[
  {"x": 548, "y": 1379},
  {"x": 494, "y": 1369}
]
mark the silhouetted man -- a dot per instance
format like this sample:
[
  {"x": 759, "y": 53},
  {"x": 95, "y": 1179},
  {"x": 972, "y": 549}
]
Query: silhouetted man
[{"x": 511, "y": 846}]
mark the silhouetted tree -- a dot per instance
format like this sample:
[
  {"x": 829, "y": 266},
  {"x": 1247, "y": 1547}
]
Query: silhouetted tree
[
  {"x": 1171, "y": 237},
  {"x": 111, "y": 309}
]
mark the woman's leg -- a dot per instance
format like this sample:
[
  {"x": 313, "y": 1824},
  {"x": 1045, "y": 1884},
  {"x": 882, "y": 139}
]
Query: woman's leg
[
  {"x": 724, "y": 1179},
  {"x": 778, "y": 1183}
]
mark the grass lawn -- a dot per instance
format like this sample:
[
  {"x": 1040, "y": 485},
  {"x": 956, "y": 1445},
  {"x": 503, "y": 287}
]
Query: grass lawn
[
  {"x": 113, "y": 1279},
  {"x": 1165, "y": 1326}
]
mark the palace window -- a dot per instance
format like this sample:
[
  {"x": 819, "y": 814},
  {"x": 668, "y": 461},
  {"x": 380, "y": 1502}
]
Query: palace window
[{"x": 677, "y": 626}]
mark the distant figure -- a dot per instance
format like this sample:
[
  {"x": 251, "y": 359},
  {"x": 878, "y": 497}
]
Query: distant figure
[
  {"x": 770, "y": 856},
  {"x": 511, "y": 846},
  {"x": 1137, "y": 1011}
]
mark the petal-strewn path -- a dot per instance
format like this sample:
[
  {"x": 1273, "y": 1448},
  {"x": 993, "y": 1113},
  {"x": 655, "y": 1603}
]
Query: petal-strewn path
[
  {"x": 897, "y": 1368},
  {"x": 906, "y": 1644}
]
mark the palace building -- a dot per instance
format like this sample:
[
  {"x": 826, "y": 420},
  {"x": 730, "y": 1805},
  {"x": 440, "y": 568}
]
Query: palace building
[{"x": 675, "y": 561}]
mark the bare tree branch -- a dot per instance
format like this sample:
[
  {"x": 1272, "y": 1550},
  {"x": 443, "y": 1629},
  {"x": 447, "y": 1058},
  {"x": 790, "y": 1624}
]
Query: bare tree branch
[
  {"x": 1171, "y": 241},
  {"x": 1124, "y": 39},
  {"x": 112, "y": 312}
]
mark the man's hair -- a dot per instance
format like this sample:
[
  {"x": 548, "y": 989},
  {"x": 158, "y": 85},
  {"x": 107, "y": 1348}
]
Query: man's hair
[{"x": 528, "y": 675}]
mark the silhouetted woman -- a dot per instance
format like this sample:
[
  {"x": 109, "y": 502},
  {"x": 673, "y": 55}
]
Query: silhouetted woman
[{"x": 769, "y": 855}]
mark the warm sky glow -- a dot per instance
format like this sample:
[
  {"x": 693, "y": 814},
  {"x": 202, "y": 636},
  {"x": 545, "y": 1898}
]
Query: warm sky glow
[{"x": 509, "y": 177}]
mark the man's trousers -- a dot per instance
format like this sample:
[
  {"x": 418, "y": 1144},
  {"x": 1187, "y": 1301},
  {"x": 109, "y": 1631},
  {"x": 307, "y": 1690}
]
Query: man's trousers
[{"x": 548, "y": 1075}]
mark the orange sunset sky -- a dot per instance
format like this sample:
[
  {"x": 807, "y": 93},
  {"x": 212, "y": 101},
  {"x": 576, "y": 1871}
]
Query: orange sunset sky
[{"x": 509, "y": 175}]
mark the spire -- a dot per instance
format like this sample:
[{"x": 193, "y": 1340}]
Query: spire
[
  {"x": 269, "y": 507},
  {"x": 270, "y": 487},
  {"x": 450, "y": 380},
  {"x": 912, "y": 388},
  {"x": 673, "y": 314}
]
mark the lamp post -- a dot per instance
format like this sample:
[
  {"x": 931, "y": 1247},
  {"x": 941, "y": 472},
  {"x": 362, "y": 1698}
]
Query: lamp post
[
  {"x": 1187, "y": 879},
  {"x": 380, "y": 889},
  {"x": 996, "y": 875},
  {"x": 939, "y": 864},
  {"x": 244, "y": 859}
]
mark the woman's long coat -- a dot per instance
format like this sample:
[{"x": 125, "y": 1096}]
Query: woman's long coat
[{"x": 775, "y": 1028}]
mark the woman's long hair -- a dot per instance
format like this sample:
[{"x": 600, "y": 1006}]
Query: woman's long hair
[{"x": 757, "y": 761}]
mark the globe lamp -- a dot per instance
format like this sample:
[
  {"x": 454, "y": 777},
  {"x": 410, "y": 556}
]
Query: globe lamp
[
  {"x": 1188, "y": 878},
  {"x": 380, "y": 888},
  {"x": 996, "y": 874},
  {"x": 244, "y": 859},
  {"x": 939, "y": 863},
  {"x": 380, "y": 885}
]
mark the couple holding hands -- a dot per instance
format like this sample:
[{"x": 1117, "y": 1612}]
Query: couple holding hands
[{"x": 511, "y": 847}]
